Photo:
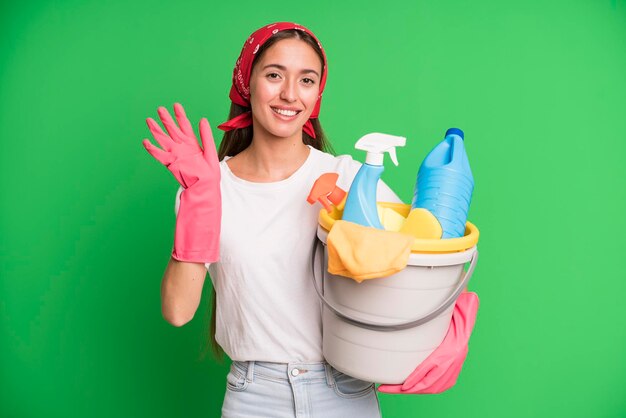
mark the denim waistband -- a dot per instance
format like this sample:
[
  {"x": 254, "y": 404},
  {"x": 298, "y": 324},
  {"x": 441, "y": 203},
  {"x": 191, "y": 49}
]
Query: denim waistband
[{"x": 286, "y": 371}]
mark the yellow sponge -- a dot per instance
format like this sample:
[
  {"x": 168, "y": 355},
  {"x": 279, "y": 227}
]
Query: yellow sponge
[{"x": 421, "y": 223}]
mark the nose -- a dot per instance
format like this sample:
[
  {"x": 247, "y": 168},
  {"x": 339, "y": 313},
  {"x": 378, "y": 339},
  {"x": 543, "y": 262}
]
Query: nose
[{"x": 288, "y": 92}]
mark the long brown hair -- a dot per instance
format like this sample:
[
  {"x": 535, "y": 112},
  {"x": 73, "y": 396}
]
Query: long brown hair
[{"x": 237, "y": 140}]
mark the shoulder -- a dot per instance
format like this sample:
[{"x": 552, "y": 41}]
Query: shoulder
[
  {"x": 224, "y": 165},
  {"x": 344, "y": 165}
]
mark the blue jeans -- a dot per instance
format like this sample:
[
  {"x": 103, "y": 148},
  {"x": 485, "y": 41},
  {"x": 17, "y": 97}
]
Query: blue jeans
[{"x": 300, "y": 390}]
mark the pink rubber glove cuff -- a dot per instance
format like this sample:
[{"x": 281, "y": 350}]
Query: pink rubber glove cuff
[{"x": 197, "y": 234}]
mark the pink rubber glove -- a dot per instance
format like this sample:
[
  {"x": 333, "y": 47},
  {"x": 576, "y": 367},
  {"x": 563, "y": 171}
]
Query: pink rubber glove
[
  {"x": 197, "y": 169},
  {"x": 441, "y": 369}
]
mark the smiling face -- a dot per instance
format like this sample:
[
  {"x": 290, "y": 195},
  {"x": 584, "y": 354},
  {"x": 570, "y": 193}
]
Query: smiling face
[{"x": 284, "y": 86}]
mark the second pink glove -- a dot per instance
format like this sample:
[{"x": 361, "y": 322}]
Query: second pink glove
[
  {"x": 441, "y": 369},
  {"x": 197, "y": 169}
]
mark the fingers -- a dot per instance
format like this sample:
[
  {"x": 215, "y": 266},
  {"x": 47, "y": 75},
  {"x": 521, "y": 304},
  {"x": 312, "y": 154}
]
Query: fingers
[
  {"x": 164, "y": 141},
  {"x": 420, "y": 372},
  {"x": 444, "y": 382},
  {"x": 206, "y": 136},
  {"x": 390, "y": 388},
  {"x": 423, "y": 382},
  {"x": 431, "y": 386},
  {"x": 163, "y": 157},
  {"x": 175, "y": 133},
  {"x": 183, "y": 122}
]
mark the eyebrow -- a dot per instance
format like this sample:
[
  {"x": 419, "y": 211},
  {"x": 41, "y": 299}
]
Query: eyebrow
[{"x": 283, "y": 68}]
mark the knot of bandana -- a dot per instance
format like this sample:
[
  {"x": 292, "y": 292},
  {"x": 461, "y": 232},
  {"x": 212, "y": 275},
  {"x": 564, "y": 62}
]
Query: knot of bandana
[{"x": 240, "y": 89}]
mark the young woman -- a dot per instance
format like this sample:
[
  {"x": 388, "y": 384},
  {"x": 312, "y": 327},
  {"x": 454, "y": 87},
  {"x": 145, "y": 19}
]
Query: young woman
[{"x": 245, "y": 218}]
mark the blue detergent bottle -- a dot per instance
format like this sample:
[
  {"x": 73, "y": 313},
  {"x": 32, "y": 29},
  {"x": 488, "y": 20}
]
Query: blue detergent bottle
[
  {"x": 445, "y": 184},
  {"x": 360, "y": 204}
]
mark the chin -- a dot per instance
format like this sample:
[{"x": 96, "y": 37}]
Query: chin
[{"x": 284, "y": 131}]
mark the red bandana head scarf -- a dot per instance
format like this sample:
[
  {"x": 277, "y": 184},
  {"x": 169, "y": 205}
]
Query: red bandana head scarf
[{"x": 240, "y": 90}]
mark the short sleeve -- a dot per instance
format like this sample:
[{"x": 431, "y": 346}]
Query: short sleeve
[{"x": 177, "y": 199}]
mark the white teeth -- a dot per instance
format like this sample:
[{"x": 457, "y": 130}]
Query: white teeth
[{"x": 285, "y": 112}]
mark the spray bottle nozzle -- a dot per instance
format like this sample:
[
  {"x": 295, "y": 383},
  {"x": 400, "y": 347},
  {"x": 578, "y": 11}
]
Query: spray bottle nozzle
[
  {"x": 326, "y": 191},
  {"x": 376, "y": 144}
]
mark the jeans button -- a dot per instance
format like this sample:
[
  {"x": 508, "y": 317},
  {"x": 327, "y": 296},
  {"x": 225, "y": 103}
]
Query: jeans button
[{"x": 295, "y": 372}]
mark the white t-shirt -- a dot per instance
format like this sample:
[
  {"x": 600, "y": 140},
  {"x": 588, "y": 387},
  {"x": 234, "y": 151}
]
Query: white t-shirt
[{"x": 267, "y": 308}]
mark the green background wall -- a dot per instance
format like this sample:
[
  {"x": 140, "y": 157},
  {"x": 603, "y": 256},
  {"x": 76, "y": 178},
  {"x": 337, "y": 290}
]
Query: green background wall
[{"x": 87, "y": 216}]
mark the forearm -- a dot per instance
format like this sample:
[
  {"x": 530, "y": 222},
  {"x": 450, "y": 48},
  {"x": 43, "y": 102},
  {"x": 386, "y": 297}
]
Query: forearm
[
  {"x": 181, "y": 290},
  {"x": 196, "y": 238}
]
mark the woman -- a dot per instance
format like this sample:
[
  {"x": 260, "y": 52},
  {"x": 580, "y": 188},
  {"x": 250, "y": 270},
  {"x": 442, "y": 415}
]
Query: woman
[{"x": 267, "y": 317}]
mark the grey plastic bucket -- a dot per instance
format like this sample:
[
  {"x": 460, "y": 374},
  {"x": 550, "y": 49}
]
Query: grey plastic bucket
[{"x": 380, "y": 330}]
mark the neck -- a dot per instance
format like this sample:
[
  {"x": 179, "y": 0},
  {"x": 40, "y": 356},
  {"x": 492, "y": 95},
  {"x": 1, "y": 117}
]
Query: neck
[{"x": 272, "y": 158}]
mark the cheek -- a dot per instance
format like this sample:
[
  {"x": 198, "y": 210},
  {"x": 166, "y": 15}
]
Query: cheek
[
  {"x": 261, "y": 92},
  {"x": 311, "y": 97},
  {"x": 268, "y": 90}
]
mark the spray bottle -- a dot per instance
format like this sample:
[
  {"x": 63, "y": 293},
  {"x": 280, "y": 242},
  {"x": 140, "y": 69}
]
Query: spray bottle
[{"x": 360, "y": 204}]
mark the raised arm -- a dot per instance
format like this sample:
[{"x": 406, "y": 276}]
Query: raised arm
[{"x": 198, "y": 211}]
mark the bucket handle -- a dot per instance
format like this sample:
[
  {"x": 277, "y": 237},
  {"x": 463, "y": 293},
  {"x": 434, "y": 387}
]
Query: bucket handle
[{"x": 377, "y": 326}]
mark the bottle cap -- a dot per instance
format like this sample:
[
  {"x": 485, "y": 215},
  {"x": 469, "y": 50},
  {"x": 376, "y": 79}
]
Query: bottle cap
[{"x": 455, "y": 131}]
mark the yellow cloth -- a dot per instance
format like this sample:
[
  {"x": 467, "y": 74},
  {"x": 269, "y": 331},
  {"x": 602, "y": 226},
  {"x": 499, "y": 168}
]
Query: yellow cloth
[{"x": 361, "y": 252}]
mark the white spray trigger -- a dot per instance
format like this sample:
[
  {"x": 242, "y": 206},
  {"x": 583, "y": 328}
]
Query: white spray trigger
[
  {"x": 376, "y": 144},
  {"x": 394, "y": 157}
]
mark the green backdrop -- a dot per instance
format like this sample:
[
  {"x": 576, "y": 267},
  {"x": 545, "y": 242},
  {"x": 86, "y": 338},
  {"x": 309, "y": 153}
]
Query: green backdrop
[{"x": 87, "y": 216}]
